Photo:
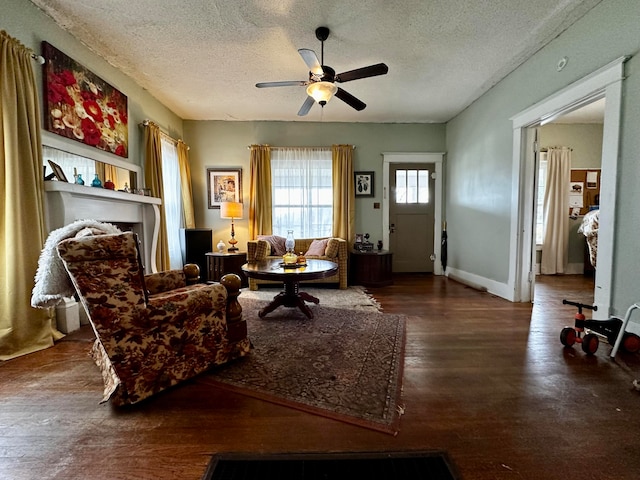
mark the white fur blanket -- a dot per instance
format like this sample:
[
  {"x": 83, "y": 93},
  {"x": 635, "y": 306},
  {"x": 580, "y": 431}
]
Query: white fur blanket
[{"x": 52, "y": 283}]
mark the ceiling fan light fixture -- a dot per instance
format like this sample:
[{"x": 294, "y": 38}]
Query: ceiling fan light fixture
[{"x": 322, "y": 91}]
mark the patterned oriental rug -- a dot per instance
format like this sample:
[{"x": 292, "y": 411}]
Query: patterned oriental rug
[{"x": 345, "y": 364}]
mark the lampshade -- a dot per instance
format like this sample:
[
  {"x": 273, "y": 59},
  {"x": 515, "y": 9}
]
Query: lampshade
[
  {"x": 230, "y": 210},
  {"x": 321, "y": 91}
]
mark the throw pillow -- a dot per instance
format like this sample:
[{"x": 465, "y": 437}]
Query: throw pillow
[
  {"x": 317, "y": 248},
  {"x": 277, "y": 244},
  {"x": 333, "y": 247}
]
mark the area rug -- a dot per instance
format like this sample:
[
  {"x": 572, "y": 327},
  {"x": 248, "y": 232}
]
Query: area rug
[
  {"x": 343, "y": 364},
  {"x": 335, "y": 466},
  {"x": 353, "y": 298}
]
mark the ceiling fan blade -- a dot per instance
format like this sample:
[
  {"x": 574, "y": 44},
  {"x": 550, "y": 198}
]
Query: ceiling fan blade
[
  {"x": 350, "y": 100},
  {"x": 306, "y": 106},
  {"x": 364, "y": 72},
  {"x": 311, "y": 59},
  {"x": 291, "y": 83}
]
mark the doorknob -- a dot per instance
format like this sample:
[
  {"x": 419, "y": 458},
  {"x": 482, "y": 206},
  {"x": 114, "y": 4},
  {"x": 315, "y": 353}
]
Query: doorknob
[{"x": 392, "y": 228}]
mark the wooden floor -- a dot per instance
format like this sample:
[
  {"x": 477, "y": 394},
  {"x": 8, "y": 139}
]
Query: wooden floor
[{"x": 485, "y": 380}]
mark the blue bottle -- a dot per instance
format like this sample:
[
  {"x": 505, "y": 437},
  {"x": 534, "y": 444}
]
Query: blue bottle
[
  {"x": 79, "y": 179},
  {"x": 96, "y": 182}
]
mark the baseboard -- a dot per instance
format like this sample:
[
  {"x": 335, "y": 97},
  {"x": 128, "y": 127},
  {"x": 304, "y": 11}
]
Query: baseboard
[
  {"x": 572, "y": 269},
  {"x": 481, "y": 283}
]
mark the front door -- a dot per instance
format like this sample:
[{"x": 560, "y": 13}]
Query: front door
[{"x": 411, "y": 216}]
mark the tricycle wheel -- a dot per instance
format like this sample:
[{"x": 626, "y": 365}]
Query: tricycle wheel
[
  {"x": 631, "y": 342},
  {"x": 568, "y": 336},
  {"x": 590, "y": 343}
]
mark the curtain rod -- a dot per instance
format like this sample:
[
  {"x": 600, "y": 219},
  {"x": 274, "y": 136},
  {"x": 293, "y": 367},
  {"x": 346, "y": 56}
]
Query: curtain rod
[
  {"x": 283, "y": 148},
  {"x": 38, "y": 58},
  {"x": 146, "y": 122}
]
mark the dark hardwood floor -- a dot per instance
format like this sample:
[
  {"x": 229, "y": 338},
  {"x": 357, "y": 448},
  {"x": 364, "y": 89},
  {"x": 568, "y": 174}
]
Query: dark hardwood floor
[{"x": 485, "y": 380}]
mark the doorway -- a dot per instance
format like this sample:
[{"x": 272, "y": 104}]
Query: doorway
[
  {"x": 415, "y": 161},
  {"x": 411, "y": 217},
  {"x": 603, "y": 83}
]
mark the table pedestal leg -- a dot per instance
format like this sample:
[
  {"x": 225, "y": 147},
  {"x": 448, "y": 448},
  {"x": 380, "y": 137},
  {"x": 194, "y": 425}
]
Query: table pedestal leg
[{"x": 291, "y": 297}]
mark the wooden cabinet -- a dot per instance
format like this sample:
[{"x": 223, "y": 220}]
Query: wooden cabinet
[
  {"x": 219, "y": 264},
  {"x": 371, "y": 269}
]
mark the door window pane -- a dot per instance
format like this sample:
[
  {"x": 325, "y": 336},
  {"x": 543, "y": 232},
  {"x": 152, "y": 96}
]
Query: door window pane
[{"x": 412, "y": 186}]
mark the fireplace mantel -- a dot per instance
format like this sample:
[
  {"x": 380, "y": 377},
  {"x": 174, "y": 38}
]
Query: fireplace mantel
[{"x": 68, "y": 202}]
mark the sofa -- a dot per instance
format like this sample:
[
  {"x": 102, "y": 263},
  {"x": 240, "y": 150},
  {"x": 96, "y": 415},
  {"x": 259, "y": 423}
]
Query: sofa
[
  {"x": 270, "y": 247},
  {"x": 152, "y": 331}
]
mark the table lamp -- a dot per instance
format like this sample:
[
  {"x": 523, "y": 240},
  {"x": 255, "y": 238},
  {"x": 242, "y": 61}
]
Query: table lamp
[{"x": 231, "y": 210}]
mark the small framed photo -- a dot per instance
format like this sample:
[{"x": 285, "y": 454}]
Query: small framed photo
[
  {"x": 359, "y": 238},
  {"x": 57, "y": 171},
  {"x": 364, "y": 184},
  {"x": 224, "y": 185}
]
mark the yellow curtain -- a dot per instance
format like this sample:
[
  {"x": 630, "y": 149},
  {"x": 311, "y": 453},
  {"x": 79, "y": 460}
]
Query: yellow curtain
[
  {"x": 22, "y": 232},
  {"x": 260, "y": 220},
  {"x": 153, "y": 181},
  {"x": 344, "y": 197},
  {"x": 105, "y": 172},
  {"x": 185, "y": 184}
]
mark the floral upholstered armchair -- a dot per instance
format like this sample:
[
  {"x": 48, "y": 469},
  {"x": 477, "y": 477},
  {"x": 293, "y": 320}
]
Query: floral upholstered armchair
[{"x": 153, "y": 331}]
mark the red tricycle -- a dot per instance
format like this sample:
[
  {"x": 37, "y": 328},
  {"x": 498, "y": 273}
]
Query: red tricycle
[{"x": 610, "y": 329}]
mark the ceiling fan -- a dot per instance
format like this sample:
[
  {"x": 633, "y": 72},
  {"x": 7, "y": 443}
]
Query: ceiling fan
[{"x": 321, "y": 85}]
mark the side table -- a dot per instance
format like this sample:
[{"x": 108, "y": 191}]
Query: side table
[
  {"x": 219, "y": 264},
  {"x": 371, "y": 269}
]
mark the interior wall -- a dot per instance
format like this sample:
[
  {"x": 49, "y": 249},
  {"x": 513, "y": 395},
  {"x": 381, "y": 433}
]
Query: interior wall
[
  {"x": 480, "y": 142},
  {"x": 586, "y": 142},
  {"x": 25, "y": 22},
  {"x": 222, "y": 144}
]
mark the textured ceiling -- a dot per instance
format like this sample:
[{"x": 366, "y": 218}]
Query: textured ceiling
[{"x": 202, "y": 58}]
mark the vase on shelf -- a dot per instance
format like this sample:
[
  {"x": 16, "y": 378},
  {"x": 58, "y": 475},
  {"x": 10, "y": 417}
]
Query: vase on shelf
[
  {"x": 109, "y": 185},
  {"x": 220, "y": 246},
  {"x": 96, "y": 182},
  {"x": 79, "y": 179}
]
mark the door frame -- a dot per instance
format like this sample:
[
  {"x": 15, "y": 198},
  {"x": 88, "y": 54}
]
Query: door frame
[
  {"x": 436, "y": 158},
  {"x": 605, "y": 82}
]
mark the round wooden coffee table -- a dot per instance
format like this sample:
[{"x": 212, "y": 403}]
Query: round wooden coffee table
[{"x": 291, "y": 277}]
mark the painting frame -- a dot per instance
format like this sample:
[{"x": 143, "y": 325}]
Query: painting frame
[
  {"x": 223, "y": 185},
  {"x": 364, "y": 184},
  {"x": 57, "y": 171},
  {"x": 81, "y": 106}
]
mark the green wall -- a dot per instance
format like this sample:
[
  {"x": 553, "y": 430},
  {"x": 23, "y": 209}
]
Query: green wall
[
  {"x": 224, "y": 144},
  {"x": 480, "y": 141},
  {"x": 28, "y": 24}
]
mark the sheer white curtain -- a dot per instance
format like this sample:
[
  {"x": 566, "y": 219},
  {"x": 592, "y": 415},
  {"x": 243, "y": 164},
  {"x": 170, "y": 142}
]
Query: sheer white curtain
[
  {"x": 302, "y": 192},
  {"x": 556, "y": 212},
  {"x": 70, "y": 162},
  {"x": 172, "y": 200}
]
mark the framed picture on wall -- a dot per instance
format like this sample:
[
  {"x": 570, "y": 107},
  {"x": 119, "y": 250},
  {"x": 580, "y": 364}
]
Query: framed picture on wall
[
  {"x": 224, "y": 185},
  {"x": 364, "y": 184}
]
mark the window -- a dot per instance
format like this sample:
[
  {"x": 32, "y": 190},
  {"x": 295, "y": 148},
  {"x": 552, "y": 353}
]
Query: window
[
  {"x": 412, "y": 186},
  {"x": 172, "y": 200},
  {"x": 302, "y": 192},
  {"x": 542, "y": 185}
]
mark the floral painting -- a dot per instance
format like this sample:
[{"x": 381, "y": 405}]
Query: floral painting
[{"x": 81, "y": 106}]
